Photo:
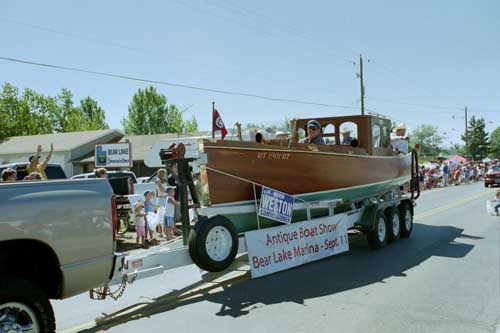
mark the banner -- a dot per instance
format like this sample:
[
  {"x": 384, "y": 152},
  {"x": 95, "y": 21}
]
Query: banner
[
  {"x": 275, "y": 249},
  {"x": 113, "y": 155},
  {"x": 276, "y": 205}
]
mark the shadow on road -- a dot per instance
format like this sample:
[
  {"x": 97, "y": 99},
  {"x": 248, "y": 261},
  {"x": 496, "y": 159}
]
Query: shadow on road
[{"x": 357, "y": 268}]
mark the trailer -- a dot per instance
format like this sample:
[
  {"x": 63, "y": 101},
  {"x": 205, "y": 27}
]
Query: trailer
[{"x": 213, "y": 243}]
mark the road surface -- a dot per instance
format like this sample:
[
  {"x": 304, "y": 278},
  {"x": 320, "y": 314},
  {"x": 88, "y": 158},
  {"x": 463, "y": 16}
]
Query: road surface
[{"x": 445, "y": 278}]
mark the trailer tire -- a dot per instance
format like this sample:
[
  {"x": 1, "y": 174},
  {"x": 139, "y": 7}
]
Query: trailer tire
[
  {"x": 406, "y": 214},
  {"x": 213, "y": 243},
  {"x": 394, "y": 223},
  {"x": 377, "y": 237},
  {"x": 30, "y": 300}
]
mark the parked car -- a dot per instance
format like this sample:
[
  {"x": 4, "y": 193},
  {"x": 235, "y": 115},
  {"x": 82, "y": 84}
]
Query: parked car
[
  {"x": 113, "y": 174},
  {"x": 53, "y": 170},
  {"x": 492, "y": 177},
  {"x": 51, "y": 248}
]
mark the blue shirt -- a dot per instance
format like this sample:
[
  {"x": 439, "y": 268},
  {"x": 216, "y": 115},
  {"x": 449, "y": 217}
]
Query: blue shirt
[
  {"x": 316, "y": 141},
  {"x": 149, "y": 207}
]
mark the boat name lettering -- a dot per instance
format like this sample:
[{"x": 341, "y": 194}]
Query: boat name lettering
[{"x": 273, "y": 156}]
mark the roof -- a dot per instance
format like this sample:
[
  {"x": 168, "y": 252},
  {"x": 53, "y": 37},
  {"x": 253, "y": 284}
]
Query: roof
[
  {"x": 62, "y": 141},
  {"x": 141, "y": 144}
]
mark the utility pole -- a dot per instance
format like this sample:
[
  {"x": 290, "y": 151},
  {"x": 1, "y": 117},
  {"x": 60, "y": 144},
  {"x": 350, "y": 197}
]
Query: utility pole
[
  {"x": 466, "y": 135},
  {"x": 362, "y": 87}
]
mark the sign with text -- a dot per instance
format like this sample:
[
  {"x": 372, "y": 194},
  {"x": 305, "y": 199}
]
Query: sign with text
[
  {"x": 276, "y": 205},
  {"x": 279, "y": 248},
  {"x": 113, "y": 155}
]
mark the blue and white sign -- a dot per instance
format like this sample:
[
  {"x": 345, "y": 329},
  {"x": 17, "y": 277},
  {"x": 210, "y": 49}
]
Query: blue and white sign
[{"x": 276, "y": 205}]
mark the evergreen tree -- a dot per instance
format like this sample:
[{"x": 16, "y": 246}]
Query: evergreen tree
[{"x": 477, "y": 144}]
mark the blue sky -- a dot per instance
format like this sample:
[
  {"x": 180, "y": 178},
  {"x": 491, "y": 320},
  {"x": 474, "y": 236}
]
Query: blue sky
[{"x": 442, "y": 55}]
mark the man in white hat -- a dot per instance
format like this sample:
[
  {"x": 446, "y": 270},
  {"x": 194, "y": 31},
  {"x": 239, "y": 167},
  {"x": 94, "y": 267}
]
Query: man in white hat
[
  {"x": 399, "y": 139},
  {"x": 346, "y": 136}
]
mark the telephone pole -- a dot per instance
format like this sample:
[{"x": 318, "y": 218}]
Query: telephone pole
[
  {"x": 466, "y": 136},
  {"x": 362, "y": 87}
]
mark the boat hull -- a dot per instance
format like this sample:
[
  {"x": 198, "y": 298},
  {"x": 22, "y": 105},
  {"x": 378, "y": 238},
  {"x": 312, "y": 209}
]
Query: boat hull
[{"x": 312, "y": 175}]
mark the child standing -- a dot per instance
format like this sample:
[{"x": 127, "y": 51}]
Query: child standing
[
  {"x": 140, "y": 223},
  {"x": 149, "y": 208},
  {"x": 170, "y": 205}
]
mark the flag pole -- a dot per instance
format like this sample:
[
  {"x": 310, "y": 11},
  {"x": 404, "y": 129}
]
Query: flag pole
[{"x": 213, "y": 118}]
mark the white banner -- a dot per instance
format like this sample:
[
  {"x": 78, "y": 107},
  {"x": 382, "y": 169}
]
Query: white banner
[
  {"x": 113, "y": 155},
  {"x": 274, "y": 249}
]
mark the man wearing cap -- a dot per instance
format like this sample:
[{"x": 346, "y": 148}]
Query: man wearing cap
[
  {"x": 313, "y": 133},
  {"x": 399, "y": 140},
  {"x": 35, "y": 165}
]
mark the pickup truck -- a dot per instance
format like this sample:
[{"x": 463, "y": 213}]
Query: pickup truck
[{"x": 57, "y": 239}]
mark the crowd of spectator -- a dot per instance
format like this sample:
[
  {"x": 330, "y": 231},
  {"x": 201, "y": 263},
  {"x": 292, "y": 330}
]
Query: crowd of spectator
[{"x": 446, "y": 173}]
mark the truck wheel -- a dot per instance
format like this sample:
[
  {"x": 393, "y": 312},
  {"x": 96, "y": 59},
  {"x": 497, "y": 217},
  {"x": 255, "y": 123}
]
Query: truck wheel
[
  {"x": 24, "y": 307},
  {"x": 377, "y": 238},
  {"x": 394, "y": 223},
  {"x": 406, "y": 220},
  {"x": 213, "y": 243}
]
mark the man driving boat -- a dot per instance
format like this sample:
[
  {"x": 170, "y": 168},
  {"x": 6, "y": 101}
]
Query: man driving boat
[{"x": 313, "y": 133}]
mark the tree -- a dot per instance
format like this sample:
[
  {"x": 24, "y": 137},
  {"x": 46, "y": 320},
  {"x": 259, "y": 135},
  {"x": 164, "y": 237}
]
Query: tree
[
  {"x": 32, "y": 113},
  {"x": 148, "y": 113},
  {"x": 428, "y": 138},
  {"x": 93, "y": 115},
  {"x": 477, "y": 145},
  {"x": 495, "y": 143},
  {"x": 190, "y": 125}
]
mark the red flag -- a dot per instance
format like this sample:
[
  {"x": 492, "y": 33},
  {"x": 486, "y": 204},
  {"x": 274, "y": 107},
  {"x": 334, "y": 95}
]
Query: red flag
[{"x": 218, "y": 124}]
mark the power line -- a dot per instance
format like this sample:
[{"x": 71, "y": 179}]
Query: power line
[{"x": 178, "y": 85}]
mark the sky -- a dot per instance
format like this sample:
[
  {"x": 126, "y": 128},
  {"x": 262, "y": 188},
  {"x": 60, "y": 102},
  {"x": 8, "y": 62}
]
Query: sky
[{"x": 424, "y": 61}]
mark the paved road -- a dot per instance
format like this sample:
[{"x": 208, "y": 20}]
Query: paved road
[{"x": 445, "y": 278}]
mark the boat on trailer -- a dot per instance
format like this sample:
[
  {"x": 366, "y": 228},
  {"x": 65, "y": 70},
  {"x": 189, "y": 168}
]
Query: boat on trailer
[{"x": 236, "y": 171}]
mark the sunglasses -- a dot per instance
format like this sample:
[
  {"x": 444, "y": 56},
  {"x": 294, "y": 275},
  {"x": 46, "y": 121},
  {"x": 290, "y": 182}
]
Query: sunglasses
[{"x": 312, "y": 127}]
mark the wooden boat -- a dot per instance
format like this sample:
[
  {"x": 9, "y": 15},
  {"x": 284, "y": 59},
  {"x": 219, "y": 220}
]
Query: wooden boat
[{"x": 368, "y": 166}]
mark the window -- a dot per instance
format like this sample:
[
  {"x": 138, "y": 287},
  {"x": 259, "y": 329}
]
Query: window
[
  {"x": 329, "y": 134},
  {"x": 376, "y": 136}
]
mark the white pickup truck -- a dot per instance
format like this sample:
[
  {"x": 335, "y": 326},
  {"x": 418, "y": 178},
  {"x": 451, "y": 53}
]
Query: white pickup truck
[{"x": 57, "y": 239}]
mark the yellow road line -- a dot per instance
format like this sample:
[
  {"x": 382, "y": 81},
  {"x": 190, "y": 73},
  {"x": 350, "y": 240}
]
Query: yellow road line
[{"x": 448, "y": 206}]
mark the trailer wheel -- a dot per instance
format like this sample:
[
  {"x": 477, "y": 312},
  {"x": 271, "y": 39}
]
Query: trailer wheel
[
  {"x": 377, "y": 238},
  {"x": 213, "y": 243},
  {"x": 394, "y": 222},
  {"x": 406, "y": 220},
  {"x": 24, "y": 307}
]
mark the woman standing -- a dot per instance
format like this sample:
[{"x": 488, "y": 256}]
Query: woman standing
[{"x": 161, "y": 192}]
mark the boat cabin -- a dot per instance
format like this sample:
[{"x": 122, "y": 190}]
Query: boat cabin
[{"x": 352, "y": 134}]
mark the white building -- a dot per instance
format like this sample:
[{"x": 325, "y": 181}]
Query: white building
[{"x": 68, "y": 147}]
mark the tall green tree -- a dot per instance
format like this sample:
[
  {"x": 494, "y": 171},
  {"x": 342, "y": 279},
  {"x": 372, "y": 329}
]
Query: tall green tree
[
  {"x": 429, "y": 139},
  {"x": 31, "y": 113},
  {"x": 148, "y": 113},
  {"x": 477, "y": 144},
  {"x": 93, "y": 115},
  {"x": 495, "y": 143}
]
